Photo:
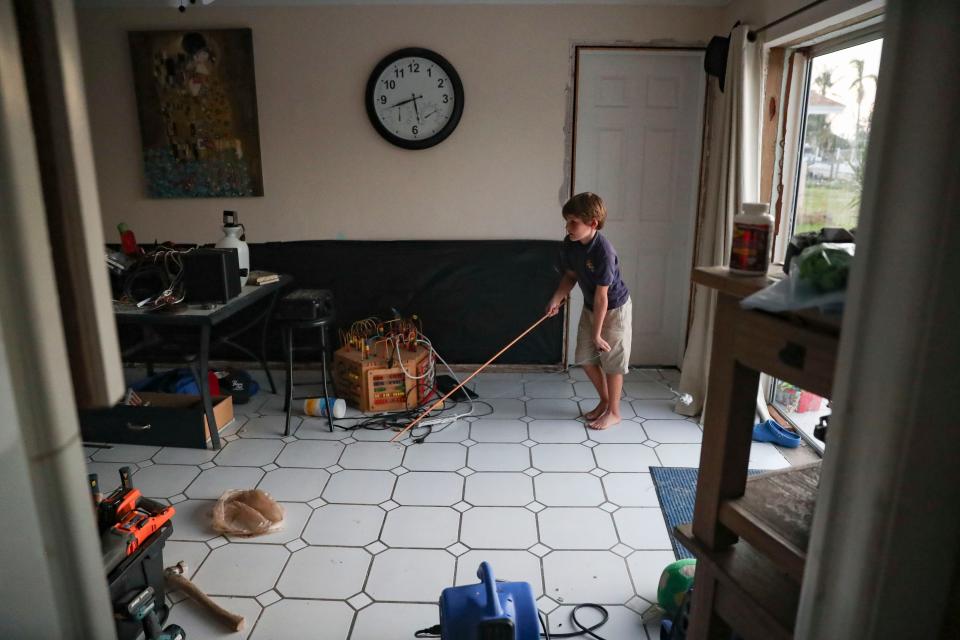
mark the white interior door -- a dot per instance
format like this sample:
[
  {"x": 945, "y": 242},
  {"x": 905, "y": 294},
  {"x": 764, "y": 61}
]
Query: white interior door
[{"x": 639, "y": 119}]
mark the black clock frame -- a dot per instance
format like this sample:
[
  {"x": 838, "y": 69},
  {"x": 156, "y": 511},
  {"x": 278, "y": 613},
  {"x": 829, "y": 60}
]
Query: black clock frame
[{"x": 441, "y": 62}]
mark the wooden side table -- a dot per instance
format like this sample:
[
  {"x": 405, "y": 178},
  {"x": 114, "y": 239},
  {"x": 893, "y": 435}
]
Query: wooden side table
[{"x": 750, "y": 536}]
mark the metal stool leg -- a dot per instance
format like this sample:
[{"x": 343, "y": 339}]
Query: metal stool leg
[
  {"x": 288, "y": 400},
  {"x": 323, "y": 368}
]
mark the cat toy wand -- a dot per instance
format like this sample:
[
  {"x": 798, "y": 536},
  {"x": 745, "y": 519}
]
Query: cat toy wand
[{"x": 482, "y": 367}]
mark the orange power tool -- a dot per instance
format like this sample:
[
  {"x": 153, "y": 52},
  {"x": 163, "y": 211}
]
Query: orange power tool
[{"x": 129, "y": 520}]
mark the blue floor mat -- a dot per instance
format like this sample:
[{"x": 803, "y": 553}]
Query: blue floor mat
[{"x": 677, "y": 490}]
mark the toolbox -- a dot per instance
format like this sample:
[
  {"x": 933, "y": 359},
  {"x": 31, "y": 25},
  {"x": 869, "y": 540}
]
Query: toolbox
[
  {"x": 375, "y": 382},
  {"x": 142, "y": 569}
]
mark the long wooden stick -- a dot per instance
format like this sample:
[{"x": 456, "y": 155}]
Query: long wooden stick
[{"x": 482, "y": 367}]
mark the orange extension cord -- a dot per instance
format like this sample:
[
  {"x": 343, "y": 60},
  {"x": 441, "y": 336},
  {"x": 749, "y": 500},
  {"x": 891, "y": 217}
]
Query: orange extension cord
[{"x": 454, "y": 390}]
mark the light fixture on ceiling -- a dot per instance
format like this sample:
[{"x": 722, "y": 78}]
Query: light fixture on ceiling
[{"x": 182, "y": 8}]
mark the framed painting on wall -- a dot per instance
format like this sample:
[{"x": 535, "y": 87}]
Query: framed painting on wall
[{"x": 197, "y": 103}]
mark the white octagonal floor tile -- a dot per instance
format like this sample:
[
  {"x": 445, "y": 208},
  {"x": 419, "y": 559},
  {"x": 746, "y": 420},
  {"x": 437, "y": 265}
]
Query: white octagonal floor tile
[
  {"x": 249, "y": 453},
  {"x": 288, "y": 619},
  {"x": 631, "y": 489},
  {"x": 512, "y": 566},
  {"x": 498, "y": 457},
  {"x": 455, "y": 432},
  {"x": 587, "y": 576},
  {"x": 164, "y": 480},
  {"x": 421, "y": 527},
  {"x": 548, "y": 389},
  {"x": 241, "y": 569},
  {"x": 625, "y": 457},
  {"x": 673, "y": 431},
  {"x": 507, "y": 408},
  {"x": 646, "y": 567},
  {"x": 184, "y": 455},
  {"x": 655, "y": 409},
  {"x": 647, "y": 391},
  {"x": 621, "y": 623},
  {"x": 410, "y": 575},
  {"x": 191, "y": 520},
  {"x": 642, "y": 528},
  {"x": 429, "y": 488},
  {"x": 568, "y": 490},
  {"x": 212, "y": 483},
  {"x": 201, "y": 625},
  {"x": 498, "y": 489},
  {"x": 267, "y": 426},
  {"x": 294, "y": 485},
  {"x": 383, "y": 620},
  {"x": 764, "y": 455},
  {"x": 626, "y": 431},
  {"x": 318, "y": 429},
  {"x": 314, "y": 454},
  {"x": 489, "y": 389},
  {"x": 372, "y": 455},
  {"x": 192, "y": 553},
  {"x": 125, "y": 453},
  {"x": 576, "y": 528},
  {"x": 440, "y": 456},
  {"x": 498, "y": 430},
  {"x": 346, "y": 525},
  {"x": 553, "y": 409},
  {"x": 562, "y": 457},
  {"x": 498, "y": 528},
  {"x": 587, "y": 391},
  {"x": 359, "y": 487},
  {"x": 676, "y": 455},
  {"x": 324, "y": 572},
  {"x": 557, "y": 431}
]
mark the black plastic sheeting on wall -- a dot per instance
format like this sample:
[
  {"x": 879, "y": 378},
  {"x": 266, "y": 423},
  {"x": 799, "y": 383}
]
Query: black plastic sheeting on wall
[{"x": 473, "y": 296}]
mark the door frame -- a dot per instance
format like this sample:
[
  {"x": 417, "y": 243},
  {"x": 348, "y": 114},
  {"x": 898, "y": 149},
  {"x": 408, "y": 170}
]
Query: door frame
[{"x": 685, "y": 313}]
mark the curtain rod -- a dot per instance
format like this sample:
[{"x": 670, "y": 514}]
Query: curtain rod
[{"x": 752, "y": 35}]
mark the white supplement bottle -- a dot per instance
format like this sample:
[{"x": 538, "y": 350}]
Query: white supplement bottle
[{"x": 752, "y": 236}]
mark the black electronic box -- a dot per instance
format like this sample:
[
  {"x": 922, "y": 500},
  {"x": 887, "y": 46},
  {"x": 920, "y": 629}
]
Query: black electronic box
[
  {"x": 211, "y": 275},
  {"x": 306, "y": 304}
]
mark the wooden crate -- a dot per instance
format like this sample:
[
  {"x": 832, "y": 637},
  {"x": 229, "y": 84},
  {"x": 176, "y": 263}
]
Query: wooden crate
[{"x": 377, "y": 383}]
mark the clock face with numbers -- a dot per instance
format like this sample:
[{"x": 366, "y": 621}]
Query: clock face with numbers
[{"x": 414, "y": 98}]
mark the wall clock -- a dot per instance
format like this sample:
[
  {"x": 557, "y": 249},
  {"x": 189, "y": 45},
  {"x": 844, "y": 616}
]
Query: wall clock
[{"x": 414, "y": 98}]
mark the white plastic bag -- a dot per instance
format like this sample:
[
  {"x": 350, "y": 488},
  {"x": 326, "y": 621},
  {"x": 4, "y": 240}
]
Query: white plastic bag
[{"x": 799, "y": 289}]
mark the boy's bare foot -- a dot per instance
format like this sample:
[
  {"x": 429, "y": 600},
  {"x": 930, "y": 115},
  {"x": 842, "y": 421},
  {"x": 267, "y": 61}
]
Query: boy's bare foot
[
  {"x": 605, "y": 421},
  {"x": 596, "y": 412}
]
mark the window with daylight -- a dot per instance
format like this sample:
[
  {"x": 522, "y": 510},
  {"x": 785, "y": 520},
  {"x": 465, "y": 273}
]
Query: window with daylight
[{"x": 839, "y": 87}]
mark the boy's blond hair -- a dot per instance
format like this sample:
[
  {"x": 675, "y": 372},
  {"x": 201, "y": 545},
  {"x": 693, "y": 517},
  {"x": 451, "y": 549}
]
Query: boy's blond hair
[{"x": 586, "y": 206}]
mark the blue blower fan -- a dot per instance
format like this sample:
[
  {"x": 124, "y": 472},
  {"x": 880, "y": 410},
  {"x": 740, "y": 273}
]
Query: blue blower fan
[{"x": 489, "y": 610}]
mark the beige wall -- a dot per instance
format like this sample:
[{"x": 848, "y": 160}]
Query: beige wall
[{"x": 326, "y": 173}]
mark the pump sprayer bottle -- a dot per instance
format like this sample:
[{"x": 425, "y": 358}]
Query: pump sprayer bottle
[{"x": 233, "y": 238}]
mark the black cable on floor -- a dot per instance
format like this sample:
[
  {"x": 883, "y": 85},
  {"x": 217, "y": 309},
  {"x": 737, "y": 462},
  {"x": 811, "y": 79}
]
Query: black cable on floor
[
  {"x": 434, "y": 631},
  {"x": 583, "y": 630}
]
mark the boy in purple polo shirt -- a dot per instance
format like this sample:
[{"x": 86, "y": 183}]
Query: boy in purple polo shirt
[{"x": 588, "y": 259}]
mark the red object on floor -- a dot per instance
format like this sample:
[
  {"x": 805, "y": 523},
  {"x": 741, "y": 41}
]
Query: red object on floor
[
  {"x": 214, "y": 383},
  {"x": 809, "y": 402}
]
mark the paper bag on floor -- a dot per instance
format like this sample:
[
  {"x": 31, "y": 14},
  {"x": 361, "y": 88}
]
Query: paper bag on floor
[{"x": 247, "y": 512}]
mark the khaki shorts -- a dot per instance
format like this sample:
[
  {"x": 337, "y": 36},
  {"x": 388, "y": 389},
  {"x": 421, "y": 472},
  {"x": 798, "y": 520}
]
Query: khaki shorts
[{"x": 617, "y": 331}]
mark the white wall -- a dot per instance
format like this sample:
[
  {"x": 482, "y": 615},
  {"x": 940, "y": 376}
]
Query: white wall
[{"x": 326, "y": 173}]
